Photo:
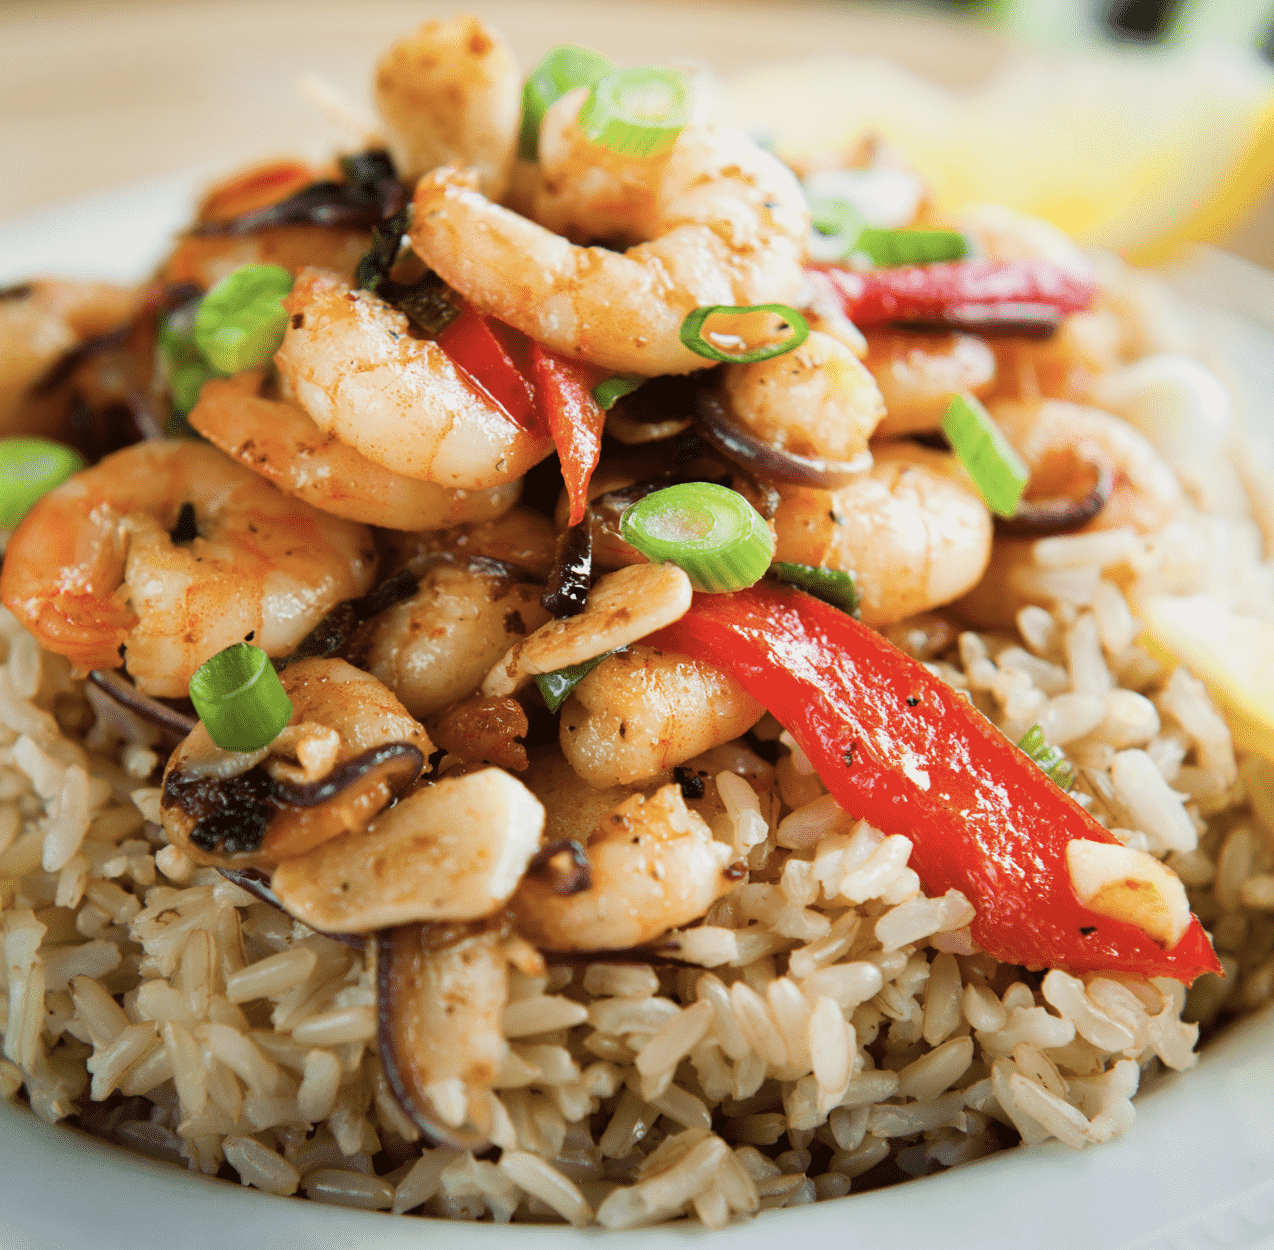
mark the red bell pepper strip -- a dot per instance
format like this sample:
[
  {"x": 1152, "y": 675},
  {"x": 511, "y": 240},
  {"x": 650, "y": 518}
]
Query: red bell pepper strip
[
  {"x": 900, "y": 748},
  {"x": 477, "y": 345},
  {"x": 574, "y": 417},
  {"x": 877, "y": 297}
]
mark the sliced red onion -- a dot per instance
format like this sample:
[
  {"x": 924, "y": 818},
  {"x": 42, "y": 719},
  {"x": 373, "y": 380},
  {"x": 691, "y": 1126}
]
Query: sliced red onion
[
  {"x": 149, "y": 709},
  {"x": 1042, "y": 518},
  {"x": 770, "y": 463},
  {"x": 1020, "y": 321}
]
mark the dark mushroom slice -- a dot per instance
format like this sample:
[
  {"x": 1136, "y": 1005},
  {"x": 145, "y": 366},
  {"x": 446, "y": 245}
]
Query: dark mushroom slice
[
  {"x": 441, "y": 995},
  {"x": 767, "y": 463},
  {"x": 572, "y": 577},
  {"x": 252, "y": 818},
  {"x": 336, "y": 629},
  {"x": 565, "y": 864},
  {"x": 1060, "y": 507},
  {"x": 1009, "y": 320}
]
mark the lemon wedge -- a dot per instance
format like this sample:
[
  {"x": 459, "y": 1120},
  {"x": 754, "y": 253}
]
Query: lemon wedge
[
  {"x": 1231, "y": 653},
  {"x": 1139, "y": 152}
]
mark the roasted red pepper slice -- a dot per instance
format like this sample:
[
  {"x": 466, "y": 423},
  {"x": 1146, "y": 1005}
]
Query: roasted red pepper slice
[
  {"x": 574, "y": 417},
  {"x": 482, "y": 348},
  {"x": 878, "y": 297},
  {"x": 901, "y": 749}
]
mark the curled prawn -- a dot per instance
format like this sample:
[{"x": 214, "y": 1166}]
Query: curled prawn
[
  {"x": 1062, "y": 443},
  {"x": 278, "y": 440},
  {"x": 911, "y": 530},
  {"x": 654, "y": 865},
  {"x": 714, "y": 220},
  {"x": 451, "y": 94},
  {"x": 168, "y": 552},
  {"x": 350, "y": 362}
]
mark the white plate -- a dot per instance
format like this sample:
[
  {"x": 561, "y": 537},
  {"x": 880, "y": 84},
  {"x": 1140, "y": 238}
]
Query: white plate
[{"x": 1196, "y": 1171}]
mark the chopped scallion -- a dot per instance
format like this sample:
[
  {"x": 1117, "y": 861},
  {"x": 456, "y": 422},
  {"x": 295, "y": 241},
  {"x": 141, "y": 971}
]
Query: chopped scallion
[
  {"x": 834, "y": 586},
  {"x": 1050, "y": 759},
  {"x": 556, "y": 686},
  {"x": 837, "y": 227},
  {"x": 710, "y": 531},
  {"x": 910, "y": 247},
  {"x": 240, "y": 699},
  {"x": 692, "y": 335},
  {"x": 29, "y": 469},
  {"x": 608, "y": 390},
  {"x": 562, "y": 70},
  {"x": 240, "y": 322},
  {"x": 636, "y": 112},
  {"x": 996, "y": 469}
]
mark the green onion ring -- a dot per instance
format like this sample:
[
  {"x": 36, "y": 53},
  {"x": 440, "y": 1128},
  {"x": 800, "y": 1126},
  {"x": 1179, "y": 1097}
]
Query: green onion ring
[
  {"x": 692, "y": 333},
  {"x": 240, "y": 698}
]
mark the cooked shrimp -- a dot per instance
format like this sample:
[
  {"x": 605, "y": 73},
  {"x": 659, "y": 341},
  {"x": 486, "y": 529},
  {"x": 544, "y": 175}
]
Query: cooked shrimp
[
  {"x": 912, "y": 532},
  {"x": 219, "y": 812},
  {"x": 437, "y": 646},
  {"x": 521, "y": 537},
  {"x": 1052, "y": 435},
  {"x": 95, "y": 568},
  {"x": 654, "y": 866},
  {"x": 642, "y": 712},
  {"x": 276, "y": 439},
  {"x": 817, "y": 401},
  {"x": 40, "y": 321},
  {"x": 206, "y": 259},
  {"x": 350, "y": 362},
  {"x": 451, "y": 94},
  {"x": 723, "y": 223},
  {"x": 1059, "y": 442},
  {"x": 918, "y": 373}
]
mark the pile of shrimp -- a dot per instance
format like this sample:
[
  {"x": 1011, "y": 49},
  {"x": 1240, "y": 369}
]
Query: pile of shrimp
[{"x": 423, "y": 791}]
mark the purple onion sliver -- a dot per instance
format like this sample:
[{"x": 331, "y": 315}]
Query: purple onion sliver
[
  {"x": 149, "y": 709},
  {"x": 1044, "y": 518},
  {"x": 769, "y": 463}
]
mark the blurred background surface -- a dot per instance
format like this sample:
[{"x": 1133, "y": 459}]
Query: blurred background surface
[{"x": 1138, "y": 124}]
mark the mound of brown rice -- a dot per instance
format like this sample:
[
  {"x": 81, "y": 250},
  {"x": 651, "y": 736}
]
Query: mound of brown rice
[{"x": 827, "y": 1028}]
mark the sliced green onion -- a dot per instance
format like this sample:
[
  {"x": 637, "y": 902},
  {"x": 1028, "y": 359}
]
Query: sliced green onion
[
  {"x": 996, "y": 469},
  {"x": 556, "y": 686},
  {"x": 636, "y": 112},
  {"x": 240, "y": 699},
  {"x": 608, "y": 390},
  {"x": 241, "y": 321},
  {"x": 29, "y": 469},
  {"x": 562, "y": 70},
  {"x": 835, "y": 586},
  {"x": 692, "y": 333},
  {"x": 184, "y": 384},
  {"x": 1050, "y": 759},
  {"x": 710, "y": 531},
  {"x": 910, "y": 247},
  {"x": 837, "y": 227}
]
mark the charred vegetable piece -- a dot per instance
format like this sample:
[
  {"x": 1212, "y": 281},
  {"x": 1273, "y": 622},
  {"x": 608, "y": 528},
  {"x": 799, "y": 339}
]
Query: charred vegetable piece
[
  {"x": 481, "y": 347},
  {"x": 898, "y": 747},
  {"x": 441, "y": 994},
  {"x": 564, "y": 390},
  {"x": 929, "y": 293},
  {"x": 572, "y": 577}
]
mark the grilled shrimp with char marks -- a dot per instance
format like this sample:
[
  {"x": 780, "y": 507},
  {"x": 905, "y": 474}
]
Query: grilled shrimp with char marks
[
  {"x": 169, "y": 551},
  {"x": 350, "y": 361},
  {"x": 714, "y": 220}
]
